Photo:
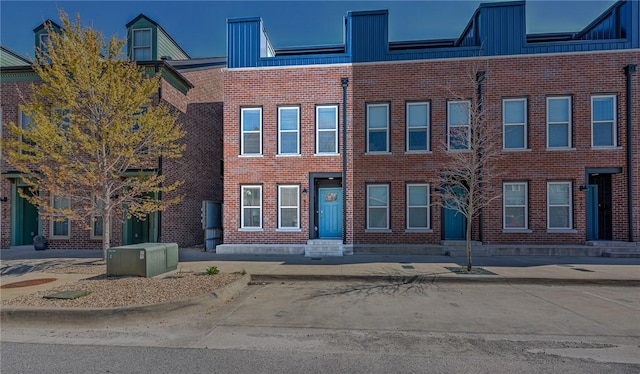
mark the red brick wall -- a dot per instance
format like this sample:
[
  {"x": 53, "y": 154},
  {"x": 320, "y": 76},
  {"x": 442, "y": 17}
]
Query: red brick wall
[{"x": 533, "y": 77}]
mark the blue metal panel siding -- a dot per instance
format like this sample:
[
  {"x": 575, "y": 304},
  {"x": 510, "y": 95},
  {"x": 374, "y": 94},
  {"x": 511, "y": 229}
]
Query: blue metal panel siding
[
  {"x": 633, "y": 23},
  {"x": 505, "y": 32},
  {"x": 370, "y": 37},
  {"x": 243, "y": 44}
]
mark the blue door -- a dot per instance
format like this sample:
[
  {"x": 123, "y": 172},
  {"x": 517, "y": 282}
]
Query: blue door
[
  {"x": 330, "y": 212},
  {"x": 455, "y": 223},
  {"x": 592, "y": 212}
]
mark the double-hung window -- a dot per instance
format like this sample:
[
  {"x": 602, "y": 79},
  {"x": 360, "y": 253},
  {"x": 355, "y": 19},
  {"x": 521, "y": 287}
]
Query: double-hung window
[
  {"x": 603, "y": 121},
  {"x": 514, "y": 119},
  {"x": 251, "y": 126},
  {"x": 559, "y": 122},
  {"x": 378, "y": 206},
  {"x": 418, "y": 216},
  {"x": 515, "y": 210},
  {"x": 327, "y": 129},
  {"x": 458, "y": 125},
  {"x": 559, "y": 205},
  {"x": 288, "y": 130},
  {"x": 377, "y": 128},
  {"x": 417, "y": 126},
  {"x": 251, "y": 207},
  {"x": 97, "y": 219},
  {"x": 288, "y": 207},
  {"x": 59, "y": 221},
  {"x": 26, "y": 124},
  {"x": 141, "y": 48}
]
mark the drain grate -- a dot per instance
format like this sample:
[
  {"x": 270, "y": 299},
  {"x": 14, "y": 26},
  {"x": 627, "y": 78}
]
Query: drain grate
[{"x": 408, "y": 267}]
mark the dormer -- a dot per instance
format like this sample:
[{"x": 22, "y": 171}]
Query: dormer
[
  {"x": 42, "y": 35},
  {"x": 147, "y": 41}
]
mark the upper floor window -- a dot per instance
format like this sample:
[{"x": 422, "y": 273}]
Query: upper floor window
[
  {"x": 458, "y": 125},
  {"x": 377, "y": 127},
  {"x": 559, "y": 122},
  {"x": 327, "y": 129},
  {"x": 418, "y": 206},
  {"x": 514, "y": 119},
  {"x": 514, "y": 198},
  {"x": 603, "y": 121},
  {"x": 59, "y": 222},
  {"x": 141, "y": 48},
  {"x": 44, "y": 41},
  {"x": 97, "y": 219},
  {"x": 288, "y": 130},
  {"x": 251, "y": 127},
  {"x": 417, "y": 126}
]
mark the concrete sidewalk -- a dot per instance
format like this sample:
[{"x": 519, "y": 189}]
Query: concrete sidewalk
[{"x": 264, "y": 268}]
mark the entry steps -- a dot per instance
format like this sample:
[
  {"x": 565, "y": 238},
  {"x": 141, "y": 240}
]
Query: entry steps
[
  {"x": 616, "y": 249},
  {"x": 324, "y": 248}
]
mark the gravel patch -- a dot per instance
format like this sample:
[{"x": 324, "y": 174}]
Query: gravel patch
[{"x": 112, "y": 292}]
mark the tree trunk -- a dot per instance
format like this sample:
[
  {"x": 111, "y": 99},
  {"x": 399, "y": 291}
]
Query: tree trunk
[
  {"x": 468, "y": 236},
  {"x": 106, "y": 233}
]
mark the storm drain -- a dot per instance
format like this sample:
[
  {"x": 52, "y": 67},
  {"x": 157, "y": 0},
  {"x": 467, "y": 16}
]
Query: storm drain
[{"x": 408, "y": 267}]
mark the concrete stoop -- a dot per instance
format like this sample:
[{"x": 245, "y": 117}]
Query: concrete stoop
[{"x": 324, "y": 248}]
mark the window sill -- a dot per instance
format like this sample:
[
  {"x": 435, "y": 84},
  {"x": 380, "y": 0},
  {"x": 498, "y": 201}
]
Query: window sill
[
  {"x": 508, "y": 150},
  {"x": 562, "y": 231},
  {"x": 60, "y": 237},
  {"x": 605, "y": 148},
  {"x": 458, "y": 150},
  {"x": 517, "y": 231},
  {"x": 250, "y": 156},
  {"x": 377, "y": 153},
  {"x": 249, "y": 229},
  {"x": 377, "y": 230},
  {"x": 417, "y": 152},
  {"x": 288, "y": 230},
  {"x": 288, "y": 155},
  {"x": 418, "y": 230},
  {"x": 326, "y": 154},
  {"x": 556, "y": 149}
]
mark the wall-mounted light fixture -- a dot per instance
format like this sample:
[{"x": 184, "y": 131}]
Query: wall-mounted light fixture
[
  {"x": 584, "y": 188},
  {"x": 304, "y": 191},
  {"x": 4, "y": 199}
]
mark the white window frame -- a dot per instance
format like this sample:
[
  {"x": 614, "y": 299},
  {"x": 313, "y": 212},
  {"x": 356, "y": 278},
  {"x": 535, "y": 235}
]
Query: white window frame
[
  {"x": 428, "y": 206},
  {"x": 425, "y": 127},
  {"x": 614, "y": 121},
  {"x": 243, "y": 207},
  {"x": 55, "y": 216},
  {"x": 450, "y": 126},
  {"x": 243, "y": 132},
  {"x": 296, "y": 131},
  {"x": 525, "y": 206},
  {"x": 386, "y": 207},
  {"x": 319, "y": 130},
  {"x": 569, "y": 205},
  {"x": 515, "y": 124},
  {"x": 44, "y": 43},
  {"x": 568, "y": 123},
  {"x": 386, "y": 129},
  {"x": 134, "y": 46},
  {"x": 281, "y": 207}
]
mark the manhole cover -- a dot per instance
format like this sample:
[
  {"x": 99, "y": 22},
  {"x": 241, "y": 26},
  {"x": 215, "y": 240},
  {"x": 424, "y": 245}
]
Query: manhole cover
[{"x": 28, "y": 283}]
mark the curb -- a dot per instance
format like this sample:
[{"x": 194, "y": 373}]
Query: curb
[
  {"x": 434, "y": 278},
  {"x": 107, "y": 316}
]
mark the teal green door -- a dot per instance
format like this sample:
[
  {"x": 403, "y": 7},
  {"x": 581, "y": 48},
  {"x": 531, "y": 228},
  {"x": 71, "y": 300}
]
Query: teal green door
[
  {"x": 139, "y": 230},
  {"x": 27, "y": 221},
  {"x": 330, "y": 212},
  {"x": 592, "y": 212},
  {"x": 454, "y": 225}
]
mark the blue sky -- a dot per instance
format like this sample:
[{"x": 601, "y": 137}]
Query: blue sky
[{"x": 199, "y": 27}]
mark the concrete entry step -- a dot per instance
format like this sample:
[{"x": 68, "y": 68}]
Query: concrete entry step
[
  {"x": 324, "y": 248},
  {"x": 620, "y": 254}
]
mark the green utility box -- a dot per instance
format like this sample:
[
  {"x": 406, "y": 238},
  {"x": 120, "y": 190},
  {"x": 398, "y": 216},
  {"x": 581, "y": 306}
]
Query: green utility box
[{"x": 145, "y": 259}]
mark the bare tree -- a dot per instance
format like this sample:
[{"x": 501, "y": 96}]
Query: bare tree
[{"x": 473, "y": 146}]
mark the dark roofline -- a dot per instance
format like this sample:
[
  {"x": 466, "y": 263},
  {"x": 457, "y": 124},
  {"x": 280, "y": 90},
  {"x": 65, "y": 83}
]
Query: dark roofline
[
  {"x": 197, "y": 63},
  {"x": 596, "y": 21},
  {"x": 164, "y": 63},
  {"x": 309, "y": 50},
  {"x": 140, "y": 16},
  {"x": 16, "y": 54},
  {"x": 41, "y": 26}
]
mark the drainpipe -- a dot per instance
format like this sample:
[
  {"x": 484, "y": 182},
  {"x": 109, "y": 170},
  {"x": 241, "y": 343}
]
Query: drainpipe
[
  {"x": 480, "y": 78},
  {"x": 345, "y": 83},
  {"x": 629, "y": 70}
]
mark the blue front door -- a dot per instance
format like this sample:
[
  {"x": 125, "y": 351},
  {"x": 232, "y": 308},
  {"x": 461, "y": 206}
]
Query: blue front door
[
  {"x": 330, "y": 212},
  {"x": 454, "y": 225},
  {"x": 592, "y": 212}
]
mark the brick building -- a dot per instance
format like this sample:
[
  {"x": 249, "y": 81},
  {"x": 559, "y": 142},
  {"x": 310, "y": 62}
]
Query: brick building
[
  {"x": 192, "y": 86},
  {"x": 566, "y": 106}
]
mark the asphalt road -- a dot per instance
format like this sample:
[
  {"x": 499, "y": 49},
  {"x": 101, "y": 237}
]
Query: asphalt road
[{"x": 335, "y": 327}]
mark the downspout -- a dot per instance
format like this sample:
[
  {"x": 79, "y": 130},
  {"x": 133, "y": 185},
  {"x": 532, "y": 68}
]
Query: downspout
[
  {"x": 345, "y": 83},
  {"x": 159, "y": 228},
  {"x": 480, "y": 78},
  {"x": 629, "y": 70}
]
